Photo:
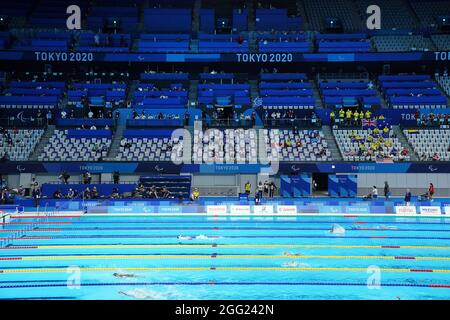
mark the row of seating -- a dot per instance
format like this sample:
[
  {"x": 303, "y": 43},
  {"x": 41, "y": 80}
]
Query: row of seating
[
  {"x": 427, "y": 143},
  {"x": 21, "y": 144}
]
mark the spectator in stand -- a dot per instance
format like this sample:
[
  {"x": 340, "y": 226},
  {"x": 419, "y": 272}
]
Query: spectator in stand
[
  {"x": 186, "y": 118},
  {"x": 436, "y": 157},
  {"x": 49, "y": 117},
  {"x": 332, "y": 118},
  {"x": 39, "y": 118}
]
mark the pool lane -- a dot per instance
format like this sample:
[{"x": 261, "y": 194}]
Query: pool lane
[{"x": 241, "y": 259}]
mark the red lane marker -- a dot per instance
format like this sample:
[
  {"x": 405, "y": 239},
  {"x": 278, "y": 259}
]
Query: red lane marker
[
  {"x": 215, "y": 228},
  {"x": 34, "y": 230},
  {"x": 28, "y": 238},
  {"x": 360, "y": 222},
  {"x": 211, "y": 283},
  {"x": 406, "y": 258},
  {"x": 390, "y": 247},
  {"x": 417, "y": 270},
  {"x": 215, "y": 237},
  {"x": 366, "y": 229},
  {"x": 378, "y": 237},
  {"x": 42, "y": 217},
  {"x": 19, "y": 247},
  {"x": 439, "y": 286},
  {"x": 57, "y": 222},
  {"x": 14, "y": 258},
  {"x": 350, "y": 216}
]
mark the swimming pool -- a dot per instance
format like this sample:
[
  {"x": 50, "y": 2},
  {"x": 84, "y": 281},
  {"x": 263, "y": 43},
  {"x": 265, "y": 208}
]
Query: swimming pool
[{"x": 232, "y": 257}]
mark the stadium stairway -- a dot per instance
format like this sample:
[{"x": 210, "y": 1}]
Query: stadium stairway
[
  {"x": 302, "y": 13},
  {"x": 193, "y": 92},
  {"x": 411, "y": 12},
  {"x": 383, "y": 102},
  {"x": 404, "y": 141},
  {"x": 115, "y": 143},
  {"x": 331, "y": 141},
  {"x": 316, "y": 94},
  {"x": 251, "y": 15},
  {"x": 187, "y": 145},
  {"x": 196, "y": 17},
  {"x": 442, "y": 89},
  {"x": 254, "y": 90},
  {"x": 44, "y": 141}
]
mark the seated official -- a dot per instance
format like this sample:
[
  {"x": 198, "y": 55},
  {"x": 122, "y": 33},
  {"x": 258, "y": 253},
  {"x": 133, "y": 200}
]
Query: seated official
[
  {"x": 115, "y": 194},
  {"x": 57, "y": 194},
  {"x": 87, "y": 193},
  {"x": 94, "y": 193}
]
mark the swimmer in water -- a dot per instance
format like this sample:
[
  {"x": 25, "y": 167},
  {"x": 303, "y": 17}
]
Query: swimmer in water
[
  {"x": 383, "y": 227},
  {"x": 337, "y": 229},
  {"x": 295, "y": 264},
  {"x": 287, "y": 253},
  {"x": 184, "y": 238},
  {"x": 140, "y": 294},
  {"x": 125, "y": 275}
]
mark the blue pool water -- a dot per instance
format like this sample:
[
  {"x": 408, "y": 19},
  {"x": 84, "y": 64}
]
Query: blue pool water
[{"x": 234, "y": 258}]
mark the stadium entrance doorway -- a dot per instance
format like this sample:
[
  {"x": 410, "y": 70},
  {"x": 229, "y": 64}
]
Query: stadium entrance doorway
[{"x": 321, "y": 179}]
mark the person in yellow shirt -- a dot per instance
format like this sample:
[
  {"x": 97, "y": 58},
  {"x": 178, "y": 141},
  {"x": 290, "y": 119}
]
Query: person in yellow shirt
[
  {"x": 388, "y": 143},
  {"x": 376, "y": 131},
  {"x": 332, "y": 118},
  {"x": 355, "y": 117},
  {"x": 381, "y": 117},
  {"x": 385, "y": 130},
  {"x": 195, "y": 194},
  {"x": 341, "y": 114},
  {"x": 374, "y": 146},
  {"x": 248, "y": 187},
  {"x": 348, "y": 115},
  {"x": 369, "y": 138},
  {"x": 368, "y": 114}
]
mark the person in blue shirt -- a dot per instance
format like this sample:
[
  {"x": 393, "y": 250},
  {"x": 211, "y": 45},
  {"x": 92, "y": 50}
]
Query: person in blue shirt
[{"x": 408, "y": 197}]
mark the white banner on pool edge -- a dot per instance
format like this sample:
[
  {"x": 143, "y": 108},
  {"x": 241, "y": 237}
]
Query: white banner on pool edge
[
  {"x": 287, "y": 210},
  {"x": 239, "y": 209},
  {"x": 216, "y": 209},
  {"x": 263, "y": 210},
  {"x": 430, "y": 211},
  {"x": 405, "y": 210}
]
